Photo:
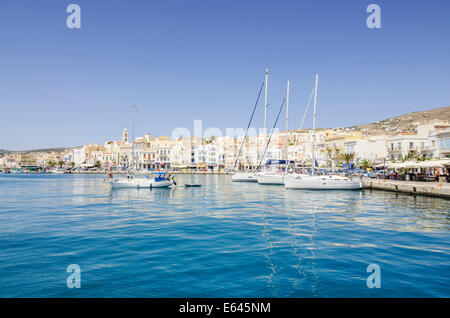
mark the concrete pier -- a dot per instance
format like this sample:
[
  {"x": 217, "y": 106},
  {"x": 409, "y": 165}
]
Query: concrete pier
[{"x": 416, "y": 188}]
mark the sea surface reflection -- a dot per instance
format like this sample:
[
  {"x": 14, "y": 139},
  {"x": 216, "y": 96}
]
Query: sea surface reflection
[{"x": 221, "y": 240}]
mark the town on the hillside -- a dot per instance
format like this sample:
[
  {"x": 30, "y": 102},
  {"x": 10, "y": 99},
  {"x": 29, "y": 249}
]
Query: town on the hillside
[{"x": 218, "y": 154}]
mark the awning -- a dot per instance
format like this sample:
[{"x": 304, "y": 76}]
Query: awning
[{"x": 418, "y": 164}]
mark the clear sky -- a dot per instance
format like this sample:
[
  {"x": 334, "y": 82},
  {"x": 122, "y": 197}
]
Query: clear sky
[{"x": 181, "y": 60}]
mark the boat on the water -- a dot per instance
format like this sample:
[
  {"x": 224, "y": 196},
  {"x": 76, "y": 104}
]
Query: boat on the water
[
  {"x": 248, "y": 176},
  {"x": 273, "y": 175},
  {"x": 159, "y": 181},
  {"x": 187, "y": 185},
  {"x": 244, "y": 177},
  {"x": 315, "y": 181},
  {"x": 57, "y": 171},
  {"x": 270, "y": 177},
  {"x": 321, "y": 182}
]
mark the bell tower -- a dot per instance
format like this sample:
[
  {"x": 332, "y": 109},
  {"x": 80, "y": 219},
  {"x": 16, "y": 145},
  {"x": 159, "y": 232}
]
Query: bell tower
[{"x": 125, "y": 135}]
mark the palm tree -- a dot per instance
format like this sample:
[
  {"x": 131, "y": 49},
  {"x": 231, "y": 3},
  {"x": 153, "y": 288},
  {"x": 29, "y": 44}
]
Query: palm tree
[
  {"x": 348, "y": 157},
  {"x": 60, "y": 163},
  {"x": 365, "y": 164},
  {"x": 51, "y": 164},
  {"x": 406, "y": 157}
]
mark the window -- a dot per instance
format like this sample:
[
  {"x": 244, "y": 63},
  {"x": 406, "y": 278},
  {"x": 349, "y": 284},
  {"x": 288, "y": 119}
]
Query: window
[{"x": 444, "y": 143}]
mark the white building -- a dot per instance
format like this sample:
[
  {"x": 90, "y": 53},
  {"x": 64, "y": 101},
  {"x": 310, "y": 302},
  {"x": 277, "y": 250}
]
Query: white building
[
  {"x": 79, "y": 156},
  {"x": 373, "y": 149}
]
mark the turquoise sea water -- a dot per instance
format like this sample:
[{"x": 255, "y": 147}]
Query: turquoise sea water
[{"x": 221, "y": 240}]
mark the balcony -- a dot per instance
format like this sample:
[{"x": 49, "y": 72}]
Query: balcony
[{"x": 395, "y": 149}]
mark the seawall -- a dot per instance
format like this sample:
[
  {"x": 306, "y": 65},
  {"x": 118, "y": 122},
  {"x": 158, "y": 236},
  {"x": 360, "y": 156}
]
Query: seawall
[{"x": 416, "y": 188}]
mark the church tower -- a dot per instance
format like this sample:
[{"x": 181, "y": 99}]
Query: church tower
[{"x": 125, "y": 135}]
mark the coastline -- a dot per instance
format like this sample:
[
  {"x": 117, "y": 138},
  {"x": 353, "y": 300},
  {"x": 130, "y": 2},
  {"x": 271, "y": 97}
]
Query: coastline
[{"x": 435, "y": 189}]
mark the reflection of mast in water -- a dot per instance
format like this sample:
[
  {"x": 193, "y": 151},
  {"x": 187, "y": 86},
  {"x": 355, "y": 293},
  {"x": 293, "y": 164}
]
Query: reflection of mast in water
[
  {"x": 294, "y": 246},
  {"x": 266, "y": 235},
  {"x": 301, "y": 266},
  {"x": 313, "y": 258}
]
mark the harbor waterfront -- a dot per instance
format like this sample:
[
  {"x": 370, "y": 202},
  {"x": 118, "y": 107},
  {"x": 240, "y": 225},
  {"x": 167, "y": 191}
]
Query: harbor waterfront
[
  {"x": 416, "y": 188},
  {"x": 223, "y": 239}
]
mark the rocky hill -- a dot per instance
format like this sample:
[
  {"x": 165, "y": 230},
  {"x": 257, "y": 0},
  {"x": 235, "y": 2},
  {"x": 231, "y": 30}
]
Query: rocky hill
[
  {"x": 46, "y": 150},
  {"x": 405, "y": 123}
]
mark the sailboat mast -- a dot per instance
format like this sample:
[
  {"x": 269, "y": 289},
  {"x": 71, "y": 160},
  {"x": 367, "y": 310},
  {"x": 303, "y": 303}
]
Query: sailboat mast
[
  {"x": 133, "y": 111},
  {"x": 287, "y": 124},
  {"x": 314, "y": 123},
  {"x": 266, "y": 103}
]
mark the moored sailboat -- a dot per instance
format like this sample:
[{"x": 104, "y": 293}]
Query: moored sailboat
[
  {"x": 250, "y": 176},
  {"x": 276, "y": 176},
  {"x": 320, "y": 182}
]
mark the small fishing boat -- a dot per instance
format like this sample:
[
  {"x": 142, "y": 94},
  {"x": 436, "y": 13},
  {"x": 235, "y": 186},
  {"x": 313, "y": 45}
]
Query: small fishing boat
[{"x": 159, "y": 181}]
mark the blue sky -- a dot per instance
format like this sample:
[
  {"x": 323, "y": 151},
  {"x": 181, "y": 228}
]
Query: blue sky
[{"x": 184, "y": 60}]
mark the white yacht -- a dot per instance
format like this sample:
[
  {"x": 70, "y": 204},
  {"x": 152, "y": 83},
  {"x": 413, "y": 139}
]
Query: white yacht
[
  {"x": 275, "y": 176},
  {"x": 244, "y": 177},
  {"x": 320, "y": 182},
  {"x": 270, "y": 177},
  {"x": 325, "y": 182},
  {"x": 251, "y": 176}
]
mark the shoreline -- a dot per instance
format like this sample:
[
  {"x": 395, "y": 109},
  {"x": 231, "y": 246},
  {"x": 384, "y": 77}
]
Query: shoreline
[{"x": 434, "y": 189}]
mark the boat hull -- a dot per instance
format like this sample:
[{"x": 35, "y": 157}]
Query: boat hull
[
  {"x": 137, "y": 184},
  {"x": 244, "y": 177},
  {"x": 273, "y": 179},
  {"x": 322, "y": 183}
]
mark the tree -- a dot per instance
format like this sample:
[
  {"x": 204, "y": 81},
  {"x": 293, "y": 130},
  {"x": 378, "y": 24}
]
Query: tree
[
  {"x": 406, "y": 157},
  {"x": 365, "y": 164},
  {"x": 60, "y": 163},
  {"x": 72, "y": 164},
  {"x": 98, "y": 164},
  {"x": 347, "y": 157},
  {"x": 51, "y": 164}
]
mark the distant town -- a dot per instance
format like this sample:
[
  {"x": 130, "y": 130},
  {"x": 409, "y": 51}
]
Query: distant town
[{"x": 412, "y": 136}]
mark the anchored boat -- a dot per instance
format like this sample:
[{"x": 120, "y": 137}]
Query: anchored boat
[
  {"x": 159, "y": 181},
  {"x": 320, "y": 182},
  {"x": 244, "y": 177},
  {"x": 325, "y": 182}
]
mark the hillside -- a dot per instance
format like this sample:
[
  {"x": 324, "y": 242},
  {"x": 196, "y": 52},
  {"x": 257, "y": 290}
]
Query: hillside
[
  {"x": 405, "y": 123},
  {"x": 46, "y": 150}
]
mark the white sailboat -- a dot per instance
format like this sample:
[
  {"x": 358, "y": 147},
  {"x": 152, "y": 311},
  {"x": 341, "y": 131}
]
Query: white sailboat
[
  {"x": 244, "y": 177},
  {"x": 275, "y": 176},
  {"x": 270, "y": 177},
  {"x": 324, "y": 182},
  {"x": 249, "y": 176},
  {"x": 320, "y": 182}
]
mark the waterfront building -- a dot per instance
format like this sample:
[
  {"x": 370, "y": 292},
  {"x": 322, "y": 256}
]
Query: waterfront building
[
  {"x": 372, "y": 149},
  {"x": 439, "y": 141},
  {"x": 79, "y": 156},
  {"x": 423, "y": 142}
]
